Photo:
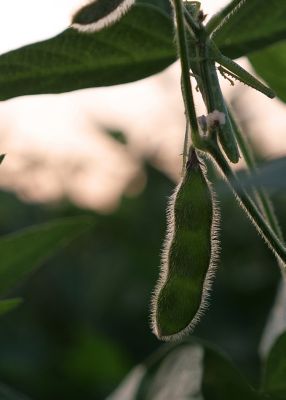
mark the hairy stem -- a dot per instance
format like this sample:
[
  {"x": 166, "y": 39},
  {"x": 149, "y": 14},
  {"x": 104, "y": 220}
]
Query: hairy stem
[
  {"x": 218, "y": 18},
  {"x": 186, "y": 82}
]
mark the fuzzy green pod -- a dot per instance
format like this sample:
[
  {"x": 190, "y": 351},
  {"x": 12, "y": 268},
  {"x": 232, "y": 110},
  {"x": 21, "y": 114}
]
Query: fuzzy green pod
[{"x": 189, "y": 254}]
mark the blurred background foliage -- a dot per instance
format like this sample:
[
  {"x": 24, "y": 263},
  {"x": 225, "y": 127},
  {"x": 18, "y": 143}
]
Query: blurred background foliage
[{"x": 84, "y": 322}]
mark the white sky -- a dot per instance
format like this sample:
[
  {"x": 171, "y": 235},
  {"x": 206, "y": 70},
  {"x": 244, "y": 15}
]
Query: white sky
[{"x": 69, "y": 151}]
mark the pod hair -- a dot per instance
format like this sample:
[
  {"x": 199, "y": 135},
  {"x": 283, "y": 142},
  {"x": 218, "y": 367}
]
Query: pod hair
[
  {"x": 98, "y": 14},
  {"x": 189, "y": 256}
]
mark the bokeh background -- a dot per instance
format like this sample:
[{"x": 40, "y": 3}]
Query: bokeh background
[{"x": 115, "y": 153}]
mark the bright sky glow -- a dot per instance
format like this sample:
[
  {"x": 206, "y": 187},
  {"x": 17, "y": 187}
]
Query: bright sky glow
[{"x": 64, "y": 133}]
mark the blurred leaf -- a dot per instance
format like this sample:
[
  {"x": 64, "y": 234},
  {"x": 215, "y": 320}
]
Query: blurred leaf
[
  {"x": 6, "y": 393},
  {"x": 188, "y": 370},
  {"x": 256, "y": 25},
  {"x": 275, "y": 374},
  {"x": 270, "y": 64},
  {"x": 95, "y": 359},
  {"x": 2, "y": 156},
  {"x": 9, "y": 304},
  {"x": 117, "y": 135},
  {"x": 139, "y": 45},
  {"x": 22, "y": 252},
  {"x": 271, "y": 175},
  {"x": 276, "y": 322}
]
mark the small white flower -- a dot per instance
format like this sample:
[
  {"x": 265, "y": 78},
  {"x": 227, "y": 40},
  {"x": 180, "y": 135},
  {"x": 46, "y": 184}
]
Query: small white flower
[{"x": 215, "y": 118}]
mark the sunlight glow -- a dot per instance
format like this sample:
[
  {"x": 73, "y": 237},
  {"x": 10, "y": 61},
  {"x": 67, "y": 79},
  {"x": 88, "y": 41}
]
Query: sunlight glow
[{"x": 56, "y": 144}]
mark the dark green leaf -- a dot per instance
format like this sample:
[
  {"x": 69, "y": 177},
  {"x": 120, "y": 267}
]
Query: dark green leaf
[
  {"x": 139, "y": 45},
  {"x": 9, "y": 304},
  {"x": 2, "y": 156},
  {"x": 7, "y": 393},
  {"x": 275, "y": 374},
  {"x": 189, "y": 370},
  {"x": 100, "y": 9},
  {"x": 271, "y": 175},
  {"x": 163, "y": 5},
  {"x": 22, "y": 252},
  {"x": 270, "y": 64},
  {"x": 222, "y": 380},
  {"x": 256, "y": 25},
  {"x": 117, "y": 135}
]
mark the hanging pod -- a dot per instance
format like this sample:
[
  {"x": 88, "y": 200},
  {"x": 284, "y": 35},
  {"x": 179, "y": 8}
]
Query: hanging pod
[{"x": 189, "y": 254}]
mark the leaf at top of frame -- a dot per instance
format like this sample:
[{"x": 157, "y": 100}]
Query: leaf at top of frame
[
  {"x": 139, "y": 45},
  {"x": 256, "y": 25}
]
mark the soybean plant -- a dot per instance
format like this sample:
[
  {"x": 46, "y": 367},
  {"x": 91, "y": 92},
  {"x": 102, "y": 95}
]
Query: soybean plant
[{"x": 191, "y": 244}]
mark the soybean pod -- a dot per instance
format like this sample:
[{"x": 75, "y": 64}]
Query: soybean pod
[{"x": 189, "y": 254}]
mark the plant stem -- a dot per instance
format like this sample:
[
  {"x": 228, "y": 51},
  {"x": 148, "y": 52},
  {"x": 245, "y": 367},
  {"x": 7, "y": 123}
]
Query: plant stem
[
  {"x": 186, "y": 82},
  {"x": 263, "y": 228},
  {"x": 269, "y": 232}
]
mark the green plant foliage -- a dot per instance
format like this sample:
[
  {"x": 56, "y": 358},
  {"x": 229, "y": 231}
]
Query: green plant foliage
[
  {"x": 8, "y": 305},
  {"x": 274, "y": 381},
  {"x": 270, "y": 64},
  {"x": 6, "y": 393},
  {"x": 127, "y": 51},
  {"x": 190, "y": 370},
  {"x": 97, "y": 10},
  {"x": 261, "y": 23},
  {"x": 22, "y": 252},
  {"x": 89, "y": 306}
]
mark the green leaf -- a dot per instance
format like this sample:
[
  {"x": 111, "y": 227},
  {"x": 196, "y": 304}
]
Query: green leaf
[
  {"x": 270, "y": 64},
  {"x": 189, "y": 370},
  {"x": 256, "y": 25},
  {"x": 271, "y": 175},
  {"x": 9, "y": 304},
  {"x": 97, "y": 10},
  {"x": 2, "y": 156},
  {"x": 22, "y": 252},
  {"x": 7, "y": 393},
  {"x": 139, "y": 45},
  {"x": 274, "y": 381}
]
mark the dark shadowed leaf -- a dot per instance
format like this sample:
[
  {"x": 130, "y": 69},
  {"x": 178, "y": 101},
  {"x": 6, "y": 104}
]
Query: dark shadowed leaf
[
  {"x": 256, "y": 25},
  {"x": 275, "y": 372},
  {"x": 22, "y": 252},
  {"x": 189, "y": 370},
  {"x": 271, "y": 175},
  {"x": 7, "y": 393},
  {"x": 270, "y": 64},
  {"x": 139, "y": 45},
  {"x": 8, "y": 305}
]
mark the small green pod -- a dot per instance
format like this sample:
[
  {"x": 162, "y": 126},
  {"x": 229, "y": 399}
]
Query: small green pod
[{"x": 189, "y": 254}]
